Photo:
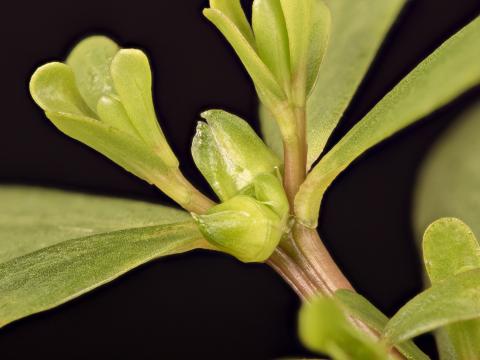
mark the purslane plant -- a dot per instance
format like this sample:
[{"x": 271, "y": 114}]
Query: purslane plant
[{"x": 306, "y": 58}]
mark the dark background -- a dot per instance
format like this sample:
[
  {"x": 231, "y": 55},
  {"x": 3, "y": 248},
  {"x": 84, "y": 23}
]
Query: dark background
[{"x": 203, "y": 305}]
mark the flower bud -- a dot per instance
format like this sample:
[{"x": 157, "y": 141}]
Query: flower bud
[
  {"x": 229, "y": 153},
  {"x": 242, "y": 227}
]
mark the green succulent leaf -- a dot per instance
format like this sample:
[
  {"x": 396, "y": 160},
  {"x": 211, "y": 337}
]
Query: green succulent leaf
[
  {"x": 441, "y": 192},
  {"x": 269, "y": 90},
  {"x": 111, "y": 111},
  {"x": 233, "y": 10},
  {"x": 33, "y": 218},
  {"x": 242, "y": 227},
  {"x": 450, "y": 248},
  {"x": 455, "y": 299},
  {"x": 54, "y": 89},
  {"x": 90, "y": 61},
  {"x": 132, "y": 78},
  {"x": 308, "y": 27},
  {"x": 54, "y": 275},
  {"x": 272, "y": 39},
  {"x": 360, "y": 308},
  {"x": 441, "y": 77},
  {"x": 324, "y": 328}
]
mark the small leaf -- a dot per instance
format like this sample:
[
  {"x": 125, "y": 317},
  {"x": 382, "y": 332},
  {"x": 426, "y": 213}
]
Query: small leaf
[
  {"x": 54, "y": 275},
  {"x": 454, "y": 299},
  {"x": 132, "y": 78},
  {"x": 272, "y": 39},
  {"x": 308, "y": 27},
  {"x": 242, "y": 227},
  {"x": 32, "y": 218},
  {"x": 358, "y": 29},
  {"x": 444, "y": 75},
  {"x": 111, "y": 111},
  {"x": 53, "y": 88},
  {"x": 324, "y": 328},
  {"x": 360, "y": 308},
  {"x": 233, "y": 10},
  {"x": 90, "y": 61},
  {"x": 269, "y": 91},
  {"x": 449, "y": 248}
]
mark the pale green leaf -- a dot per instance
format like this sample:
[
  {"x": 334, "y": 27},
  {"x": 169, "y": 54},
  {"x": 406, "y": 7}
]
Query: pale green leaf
[
  {"x": 53, "y": 88},
  {"x": 33, "y": 218},
  {"x": 324, "y": 328},
  {"x": 450, "y": 301},
  {"x": 358, "y": 29},
  {"x": 444, "y": 75},
  {"x": 449, "y": 181},
  {"x": 111, "y": 111},
  {"x": 360, "y": 308},
  {"x": 54, "y": 275},
  {"x": 270, "y": 131},
  {"x": 272, "y": 39},
  {"x": 233, "y": 10},
  {"x": 267, "y": 86},
  {"x": 90, "y": 61},
  {"x": 132, "y": 79},
  {"x": 449, "y": 248},
  {"x": 308, "y": 27}
]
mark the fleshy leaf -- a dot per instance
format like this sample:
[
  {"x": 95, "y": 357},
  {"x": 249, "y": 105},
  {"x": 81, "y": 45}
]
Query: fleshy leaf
[
  {"x": 449, "y": 248},
  {"x": 448, "y": 183},
  {"x": 233, "y": 10},
  {"x": 272, "y": 39},
  {"x": 450, "y": 301},
  {"x": 33, "y": 218},
  {"x": 132, "y": 78},
  {"x": 111, "y": 111},
  {"x": 54, "y": 89},
  {"x": 308, "y": 27},
  {"x": 358, "y": 29},
  {"x": 360, "y": 308},
  {"x": 54, "y": 275},
  {"x": 269, "y": 90},
  {"x": 90, "y": 61},
  {"x": 324, "y": 328},
  {"x": 441, "y": 77},
  {"x": 242, "y": 227}
]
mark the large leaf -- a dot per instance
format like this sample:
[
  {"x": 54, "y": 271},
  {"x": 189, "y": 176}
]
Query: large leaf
[
  {"x": 441, "y": 77},
  {"x": 449, "y": 181},
  {"x": 33, "y": 218},
  {"x": 49, "y": 277},
  {"x": 324, "y": 328},
  {"x": 449, "y": 248},
  {"x": 358, "y": 29},
  {"x": 450, "y": 301},
  {"x": 360, "y": 308}
]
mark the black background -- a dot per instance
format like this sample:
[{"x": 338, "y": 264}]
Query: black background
[{"x": 203, "y": 305}]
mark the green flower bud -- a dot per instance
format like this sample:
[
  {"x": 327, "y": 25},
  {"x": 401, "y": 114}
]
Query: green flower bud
[
  {"x": 268, "y": 189},
  {"x": 242, "y": 227},
  {"x": 229, "y": 153}
]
